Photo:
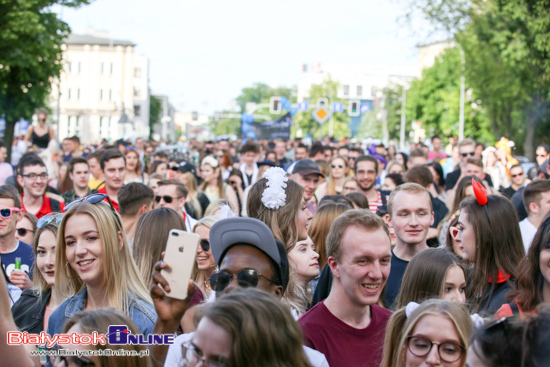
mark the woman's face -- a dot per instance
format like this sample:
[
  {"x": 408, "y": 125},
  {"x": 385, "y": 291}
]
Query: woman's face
[
  {"x": 469, "y": 192},
  {"x": 271, "y": 157},
  {"x": 304, "y": 217},
  {"x": 544, "y": 264},
  {"x": 83, "y": 249},
  {"x": 205, "y": 259},
  {"x": 45, "y": 256},
  {"x": 399, "y": 158},
  {"x": 161, "y": 169},
  {"x": 219, "y": 157},
  {"x": 349, "y": 187},
  {"x": 467, "y": 237},
  {"x": 76, "y": 360},
  {"x": 338, "y": 168},
  {"x": 62, "y": 171},
  {"x": 434, "y": 174},
  {"x": 433, "y": 329},
  {"x": 304, "y": 258},
  {"x": 455, "y": 285},
  {"x": 396, "y": 168},
  {"x": 235, "y": 182},
  {"x": 132, "y": 160},
  {"x": 207, "y": 173},
  {"x": 389, "y": 185},
  {"x": 24, "y": 225},
  {"x": 154, "y": 184},
  {"x": 211, "y": 342}
]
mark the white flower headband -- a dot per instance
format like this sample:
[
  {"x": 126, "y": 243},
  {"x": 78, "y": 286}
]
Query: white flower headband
[
  {"x": 226, "y": 212},
  {"x": 476, "y": 319},
  {"x": 274, "y": 195},
  {"x": 211, "y": 161}
]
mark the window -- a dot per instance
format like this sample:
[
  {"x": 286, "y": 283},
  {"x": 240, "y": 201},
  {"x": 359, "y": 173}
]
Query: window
[
  {"x": 102, "y": 68},
  {"x": 373, "y": 91},
  {"x": 69, "y": 94},
  {"x": 137, "y": 110},
  {"x": 100, "y": 126},
  {"x": 78, "y": 94},
  {"x": 136, "y": 92},
  {"x": 79, "y": 67},
  {"x": 346, "y": 90},
  {"x": 137, "y": 73},
  {"x": 101, "y": 94},
  {"x": 70, "y": 65},
  {"x": 359, "y": 90},
  {"x": 77, "y": 126},
  {"x": 110, "y": 94},
  {"x": 111, "y": 69}
]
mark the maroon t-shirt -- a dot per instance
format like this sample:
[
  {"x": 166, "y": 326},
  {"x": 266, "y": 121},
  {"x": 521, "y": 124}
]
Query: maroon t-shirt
[{"x": 342, "y": 344}]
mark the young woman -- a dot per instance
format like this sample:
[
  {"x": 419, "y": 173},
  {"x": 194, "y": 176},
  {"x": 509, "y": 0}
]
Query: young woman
[
  {"x": 278, "y": 202},
  {"x": 32, "y": 311},
  {"x": 95, "y": 266},
  {"x": 159, "y": 167},
  {"x": 213, "y": 185},
  {"x": 402, "y": 158},
  {"x": 42, "y": 134},
  {"x": 149, "y": 244},
  {"x": 391, "y": 181},
  {"x": 453, "y": 241},
  {"x": 153, "y": 182},
  {"x": 196, "y": 202},
  {"x": 26, "y": 228},
  {"x": 133, "y": 168},
  {"x": 305, "y": 267},
  {"x": 339, "y": 170},
  {"x": 350, "y": 185},
  {"x": 236, "y": 182},
  {"x": 395, "y": 167},
  {"x": 246, "y": 327},
  {"x": 435, "y": 333},
  {"x": 225, "y": 163},
  {"x": 533, "y": 279},
  {"x": 205, "y": 265},
  {"x": 491, "y": 241},
  {"x": 433, "y": 273}
]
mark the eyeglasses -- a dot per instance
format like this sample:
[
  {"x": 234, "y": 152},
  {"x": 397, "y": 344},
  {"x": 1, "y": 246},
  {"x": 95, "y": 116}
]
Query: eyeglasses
[
  {"x": 47, "y": 219},
  {"x": 337, "y": 166},
  {"x": 34, "y": 176},
  {"x": 542, "y": 155},
  {"x": 518, "y": 174},
  {"x": 22, "y": 232},
  {"x": 351, "y": 158},
  {"x": 205, "y": 244},
  {"x": 70, "y": 361},
  {"x": 94, "y": 199},
  {"x": 192, "y": 357},
  {"x": 471, "y": 154},
  {"x": 245, "y": 278},
  {"x": 167, "y": 199},
  {"x": 7, "y": 212},
  {"x": 232, "y": 182},
  {"x": 448, "y": 352}
]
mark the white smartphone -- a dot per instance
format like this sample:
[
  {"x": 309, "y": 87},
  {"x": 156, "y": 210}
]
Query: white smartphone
[{"x": 180, "y": 254}]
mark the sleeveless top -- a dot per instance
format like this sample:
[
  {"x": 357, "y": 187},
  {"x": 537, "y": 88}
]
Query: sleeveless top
[{"x": 40, "y": 141}]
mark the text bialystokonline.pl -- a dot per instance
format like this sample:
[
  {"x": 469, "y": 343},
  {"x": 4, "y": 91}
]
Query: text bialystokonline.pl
[{"x": 89, "y": 353}]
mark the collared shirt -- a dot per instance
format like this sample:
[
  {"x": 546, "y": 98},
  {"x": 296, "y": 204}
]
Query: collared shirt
[
  {"x": 103, "y": 190},
  {"x": 45, "y": 209}
]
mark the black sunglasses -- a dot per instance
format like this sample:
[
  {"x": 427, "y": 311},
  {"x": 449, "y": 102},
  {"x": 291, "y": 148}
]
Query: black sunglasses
[
  {"x": 471, "y": 154},
  {"x": 245, "y": 278},
  {"x": 205, "y": 244},
  {"x": 167, "y": 199},
  {"x": 337, "y": 165},
  {"x": 22, "y": 232},
  {"x": 94, "y": 199}
]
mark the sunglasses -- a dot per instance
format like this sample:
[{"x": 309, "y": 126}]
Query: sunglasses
[
  {"x": 542, "y": 155},
  {"x": 471, "y": 154},
  {"x": 518, "y": 174},
  {"x": 47, "y": 219},
  {"x": 22, "y": 232},
  {"x": 205, "y": 244},
  {"x": 132, "y": 148},
  {"x": 94, "y": 199},
  {"x": 337, "y": 166},
  {"x": 7, "y": 212},
  {"x": 167, "y": 199},
  {"x": 245, "y": 278}
]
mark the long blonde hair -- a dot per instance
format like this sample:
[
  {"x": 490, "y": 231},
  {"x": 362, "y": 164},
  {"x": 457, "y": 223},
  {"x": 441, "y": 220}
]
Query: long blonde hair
[
  {"x": 400, "y": 327},
  {"x": 331, "y": 185},
  {"x": 39, "y": 283},
  {"x": 121, "y": 279},
  {"x": 199, "y": 276}
]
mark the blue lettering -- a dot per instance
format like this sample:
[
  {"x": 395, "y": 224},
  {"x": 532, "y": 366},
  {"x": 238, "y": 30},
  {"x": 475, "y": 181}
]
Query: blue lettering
[
  {"x": 134, "y": 338},
  {"x": 157, "y": 339},
  {"x": 168, "y": 339}
]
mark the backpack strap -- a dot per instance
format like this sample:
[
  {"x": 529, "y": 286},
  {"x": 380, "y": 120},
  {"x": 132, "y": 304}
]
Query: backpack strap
[{"x": 56, "y": 208}]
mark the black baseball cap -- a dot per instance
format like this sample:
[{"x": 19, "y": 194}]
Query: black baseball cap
[
  {"x": 187, "y": 167},
  {"x": 229, "y": 232},
  {"x": 307, "y": 167},
  {"x": 266, "y": 163}
]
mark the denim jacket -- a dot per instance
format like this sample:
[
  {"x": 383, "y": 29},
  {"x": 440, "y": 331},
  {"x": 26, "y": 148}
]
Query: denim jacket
[{"x": 141, "y": 312}]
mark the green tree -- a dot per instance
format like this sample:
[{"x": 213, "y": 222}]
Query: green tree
[
  {"x": 155, "y": 109},
  {"x": 303, "y": 120},
  {"x": 31, "y": 36}
]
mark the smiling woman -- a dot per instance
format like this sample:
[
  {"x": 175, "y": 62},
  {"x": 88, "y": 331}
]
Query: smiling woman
[{"x": 95, "y": 267}]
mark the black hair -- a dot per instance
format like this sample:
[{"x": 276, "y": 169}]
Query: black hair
[
  {"x": 396, "y": 178},
  {"x": 439, "y": 170},
  {"x": 367, "y": 158},
  {"x": 30, "y": 159},
  {"x": 110, "y": 154},
  {"x": 340, "y": 199},
  {"x": 315, "y": 149},
  {"x": 133, "y": 196}
]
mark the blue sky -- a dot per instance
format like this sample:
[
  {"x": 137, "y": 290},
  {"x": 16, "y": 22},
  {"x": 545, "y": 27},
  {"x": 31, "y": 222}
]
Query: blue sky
[{"x": 202, "y": 52}]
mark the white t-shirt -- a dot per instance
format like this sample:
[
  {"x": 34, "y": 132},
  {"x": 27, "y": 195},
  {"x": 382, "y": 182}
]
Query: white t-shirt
[
  {"x": 174, "y": 357},
  {"x": 528, "y": 231}
]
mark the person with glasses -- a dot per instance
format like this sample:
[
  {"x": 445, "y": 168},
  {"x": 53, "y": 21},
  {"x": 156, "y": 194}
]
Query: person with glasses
[
  {"x": 173, "y": 194},
  {"x": 434, "y": 333},
  {"x": 41, "y": 134},
  {"x": 339, "y": 170},
  {"x": 542, "y": 154},
  {"x": 32, "y": 176},
  {"x": 517, "y": 181},
  {"x": 205, "y": 265},
  {"x": 135, "y": 199},
  {"x": 32, "y": 312},
  {"x": 354, "y": 153},
  {"x": 26, "y": 228},
  {"x": 17, "y": 256},
  {"x": 95, "y": 266},
  {"x": 466, "y": 149}
]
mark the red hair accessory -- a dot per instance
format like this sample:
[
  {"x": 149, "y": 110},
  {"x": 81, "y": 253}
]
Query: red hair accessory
[{"x": 480, "y": 192}]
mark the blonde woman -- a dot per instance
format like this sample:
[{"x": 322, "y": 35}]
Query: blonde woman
[
  {"x": 205, "y": 265},
  {"x": 95, "y": 267},
  {"x": 339, "y": 170},
  {"x": 213, "y": 185},
  {"x": 278, "y": 202},
  {"x": 196, "y": 202}
]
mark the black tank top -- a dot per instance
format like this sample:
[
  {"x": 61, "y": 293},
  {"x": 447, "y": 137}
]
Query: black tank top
[{"x": 40, "y": 141}]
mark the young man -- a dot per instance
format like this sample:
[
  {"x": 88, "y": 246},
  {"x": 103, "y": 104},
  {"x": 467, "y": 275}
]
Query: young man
[
  {"x": 354, "y": 153},
  {"x": 301, "y": 152},
  {"x": 96, "y": 180},
  {"x": 536, "y": 198},
  {"x": 348, "y": 327},
  {"x": 466, "y": 148},
  {"x": 366, "y": 172},
  {"x": 6, "y": 169},
  {"x": 113, "y": 166},
  {"x": 306, "y": 173},
  {"x": 518, "y": 180},
  {"x": 474, "y": 167},
  {"x": 70, "y": 147},
  {"x": 280, "y": 151},
  {"x": 543, "y": 153},
  {"x": 543, "y": 173},
  {"x": 436, "y": 154},
  {"x": 328, "y": 152},
  {"x": 79, "y": 173},
  {"x": 173, "y": 194},
  {"x": 32, "y": 176},
  {"x": 17, "y": 257},
  {"x": 317, "y": 151},
  {"x": 418, "y": 157},
  {"x": 134, "y": 200},
  {"x": 249, "y": 169},
  {"x": 410, "y": 215}
]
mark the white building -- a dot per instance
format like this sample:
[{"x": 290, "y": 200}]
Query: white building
[
  {"x": 193, "y": 125},
  {"x": 102, "y": 80},
  {"x": 165, "y": 129}
]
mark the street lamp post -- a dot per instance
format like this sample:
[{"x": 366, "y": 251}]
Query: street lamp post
[
  {"x": 462, "y": 85},
  {"x": 403, "y": 118}
]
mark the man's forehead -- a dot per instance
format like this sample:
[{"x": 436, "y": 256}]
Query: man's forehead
[
  {"x": 34, "y": 169},
  {"x": 421, "y": 200},
  {"x": 366, "y": 242},
  {"x": 466, "y": 148},
  {"x": 366, "y": 165},
  {"x": 167, "y": 189},
  {"x": 115, "y": 162},
  {"x": 243, "y": 256}
]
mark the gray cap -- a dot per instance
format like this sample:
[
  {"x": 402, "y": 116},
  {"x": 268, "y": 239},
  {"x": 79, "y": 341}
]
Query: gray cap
[
  {"x": 307, "y": 167},
  {"x": 250, "y": 231}
]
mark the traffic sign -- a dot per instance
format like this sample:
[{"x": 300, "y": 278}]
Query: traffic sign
[
  {"x": 321, "y": 115},
  {"x": 322, "y": 102},
  {"x": 275, "y": 106},
  {"x": 337, "y": 107},
  {"x": 354, "y": 108},
  {"x": 303, "y": 106},
  {"x": 365, "y": 107}
]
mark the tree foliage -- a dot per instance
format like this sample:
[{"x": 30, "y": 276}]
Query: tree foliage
[
  {"x": 31, "y": 36},
  {"x": 155, "y": 109}
]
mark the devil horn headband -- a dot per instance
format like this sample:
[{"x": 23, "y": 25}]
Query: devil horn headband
[{"x": 479, "y": 192}]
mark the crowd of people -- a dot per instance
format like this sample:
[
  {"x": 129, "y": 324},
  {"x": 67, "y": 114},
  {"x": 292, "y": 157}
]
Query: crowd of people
[{"x": 332, "y": 254}]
